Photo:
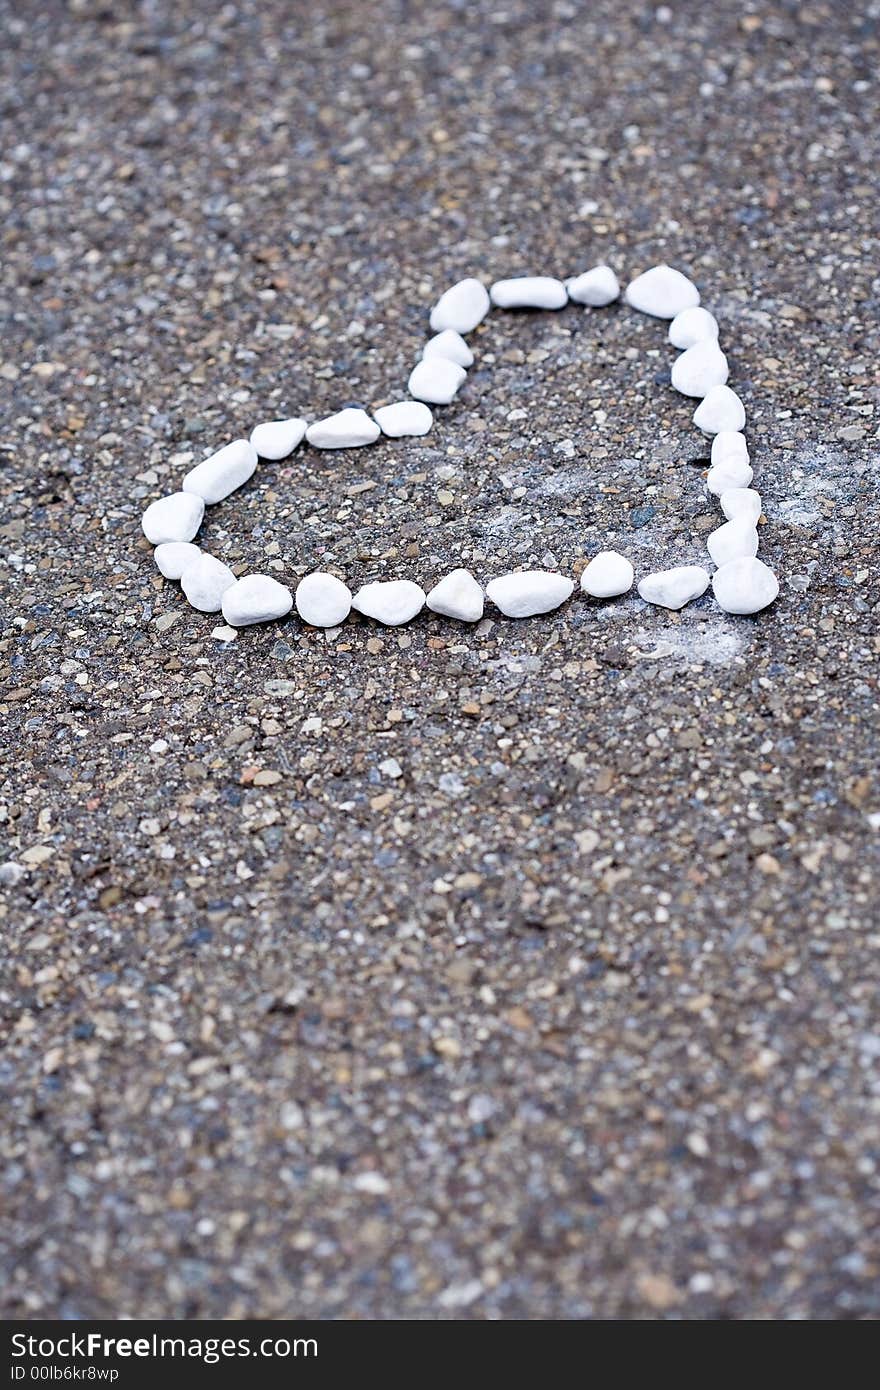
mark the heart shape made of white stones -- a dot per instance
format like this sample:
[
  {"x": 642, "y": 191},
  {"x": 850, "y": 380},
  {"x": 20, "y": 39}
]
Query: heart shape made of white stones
[{"x": 741, "y": 583}]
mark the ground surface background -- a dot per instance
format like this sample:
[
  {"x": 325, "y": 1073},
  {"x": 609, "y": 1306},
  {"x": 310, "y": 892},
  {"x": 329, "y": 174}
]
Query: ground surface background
[{"x": 577, "y": 1016}]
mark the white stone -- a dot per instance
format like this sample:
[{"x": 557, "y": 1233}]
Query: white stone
[
  {"x": 731, "y": 541},
  {"x": 457, "y": 596},
  {"x": 607, "y": 575},
  {"x": 436, "y": 380},
  {"x": 322, "y": 600},
  {"x": 176, "y": 517},
  {"x": 676, "y": 587},
  {"x": 451, "y": 345},
  {"x": 218, "y": 476},
  {"x": 699, "y": 369},
  {"x": 461, "y": 307},
  {"x": 529, "y": 592},
  {"x": 390, "y": 601},
  {"x": 205, "y": 582},
  {"x": 745, "y": 585},
  {"x": 693, "y": 325},
  {"x": 276, "y": 439},
  {"x": 732, "y": 473},
  {"x": 720, "y": 409},
  {"x": 347, "y": 429},
  {"x": 257, "y": 598},
  {"x": 729, "y": 444},
  {"x": 404, "y": 418},
  {"x": 529, "y": 292},
  {"x": 173, "y": 557},
  {"x": 596, "y": 287},
  {"x": 741, "y": 504},
  {"x": 662, "y": 291}
]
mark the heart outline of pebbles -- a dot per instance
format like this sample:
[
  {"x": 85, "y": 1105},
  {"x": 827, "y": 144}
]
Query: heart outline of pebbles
[{"x": 742, "y": 584}]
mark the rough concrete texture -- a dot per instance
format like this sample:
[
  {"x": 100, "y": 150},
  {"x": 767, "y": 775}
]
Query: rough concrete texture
[{"x": 520, "y": 972}]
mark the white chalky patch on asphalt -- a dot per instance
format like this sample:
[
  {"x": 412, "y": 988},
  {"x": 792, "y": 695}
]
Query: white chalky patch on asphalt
[
  {"x": 703, "y": 644},
  {"x": 796, "y": 513}
]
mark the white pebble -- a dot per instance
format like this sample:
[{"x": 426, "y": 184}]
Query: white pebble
[
  {"x": 461, "y": 307},
  {"x": 276, "y": 439},
  {"x": 720, "y": 409},
  {"x": 457, "y": 596},
  {"x": 173, "y": 518},
  {"x": 173, "y": 557},
  {"x": 662, "y": 291},
  {"x": 451, "y": 345},
  {"x": 676, "y": 587},
  {"x": 529, "y": 292},
  {"x": 529, "y": 592},
  {"x": 745, "y": 585},
  {"x": 403, "y": 418},
  {"x": 732, "y": 473},
  {"x": 729, "y": 444},
  {"x": 607, "y": 575},
  {"x": 731, "y": 541},
  {"x": 347, "y": 429},
  {"x": 436, "y": 380},
  {"x": 322, "y": 600},
  {"x": 596, "y": 287},
  {"x": 205, "y": 582},
  {"x": 220, "y": 474},
  {"x": 699, "y": 369},
  {"x": 258, "y": 598},
  {"x": 390, "y": 601},
  {"x": 741, "y": 504},
  {"x": 694, "y": 325}
]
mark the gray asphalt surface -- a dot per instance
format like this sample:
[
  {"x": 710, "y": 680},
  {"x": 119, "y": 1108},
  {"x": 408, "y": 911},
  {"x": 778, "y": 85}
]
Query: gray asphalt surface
[{"x": 578, "y": 1016}]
